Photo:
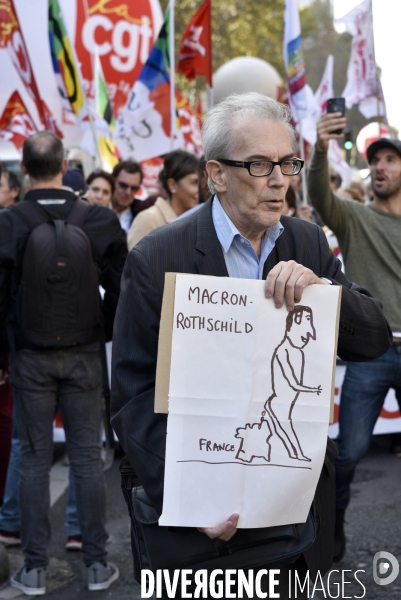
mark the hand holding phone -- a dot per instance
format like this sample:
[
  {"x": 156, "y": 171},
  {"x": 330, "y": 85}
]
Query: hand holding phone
[
  {"x": 331, "y": 125},
  {"x": 336, "y": 105}
]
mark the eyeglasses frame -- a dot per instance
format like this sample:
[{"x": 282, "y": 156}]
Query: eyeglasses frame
[{"x": 247, "y": 165}]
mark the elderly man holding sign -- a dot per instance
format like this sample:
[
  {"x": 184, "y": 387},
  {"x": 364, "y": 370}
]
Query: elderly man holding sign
[{"x": 250, "y": 152}]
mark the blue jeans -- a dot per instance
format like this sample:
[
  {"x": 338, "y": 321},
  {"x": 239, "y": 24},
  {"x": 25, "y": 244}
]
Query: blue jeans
[
  {"x": 364, "y": 390},
  {"x": 9, "y": 511},
  {"x": 71, "y": 378}
]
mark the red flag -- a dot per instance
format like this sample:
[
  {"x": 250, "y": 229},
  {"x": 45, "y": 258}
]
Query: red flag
[
  {"x": 11, "y": 37},
  {"x": 16, "y": 124},
  {"x": 195, "y": 56}
]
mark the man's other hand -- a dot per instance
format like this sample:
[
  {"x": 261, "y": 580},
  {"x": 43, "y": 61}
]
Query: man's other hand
[
  {"x": 222, "y": 532},
  {"x": 325, "y": 126},
  {"x": 288, "y": 280}
]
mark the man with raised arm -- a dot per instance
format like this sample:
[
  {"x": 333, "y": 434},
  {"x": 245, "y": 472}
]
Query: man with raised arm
[{"x": 370, "y": 242}]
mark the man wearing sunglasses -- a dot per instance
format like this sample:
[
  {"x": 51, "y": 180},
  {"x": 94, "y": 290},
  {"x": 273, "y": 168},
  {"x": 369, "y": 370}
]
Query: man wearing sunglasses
[
  {"x": 128, "y": 179},
  {"x": 249, "y": 147}
]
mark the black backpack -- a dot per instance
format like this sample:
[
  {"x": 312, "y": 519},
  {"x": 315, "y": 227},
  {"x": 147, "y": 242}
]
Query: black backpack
[{"x": 58, "y": 301}]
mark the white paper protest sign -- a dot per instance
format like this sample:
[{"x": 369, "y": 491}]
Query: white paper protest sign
[{"x": 250, "y": 391}]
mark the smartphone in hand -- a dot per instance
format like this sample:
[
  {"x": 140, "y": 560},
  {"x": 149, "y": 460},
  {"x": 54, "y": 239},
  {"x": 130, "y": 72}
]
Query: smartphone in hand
[{"x": 336, "y": 105}]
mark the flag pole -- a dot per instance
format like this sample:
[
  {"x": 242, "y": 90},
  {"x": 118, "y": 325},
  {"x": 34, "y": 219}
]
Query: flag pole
[
  {"x": 210, "y": 93},
  {"x": 380, "y": 118},
  {"x": 210, "y": 87},
  {"x": 303, "y": 172},
  {"x": 172, "y": 72}
]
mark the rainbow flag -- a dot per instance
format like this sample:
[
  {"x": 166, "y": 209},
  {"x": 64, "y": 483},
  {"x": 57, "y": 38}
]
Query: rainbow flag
[{"x": 64, "y": 63}]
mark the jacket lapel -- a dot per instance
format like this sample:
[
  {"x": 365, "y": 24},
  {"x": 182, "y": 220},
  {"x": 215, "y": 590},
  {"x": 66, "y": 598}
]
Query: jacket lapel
[{"x": 211, "y": 260}]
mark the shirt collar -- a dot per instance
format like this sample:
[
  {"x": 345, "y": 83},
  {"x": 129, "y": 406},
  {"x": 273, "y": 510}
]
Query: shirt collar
[{"x": 226, "y": 230}]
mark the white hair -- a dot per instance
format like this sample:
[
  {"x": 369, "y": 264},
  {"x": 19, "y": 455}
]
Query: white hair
[{"x": 217, "y": 130}]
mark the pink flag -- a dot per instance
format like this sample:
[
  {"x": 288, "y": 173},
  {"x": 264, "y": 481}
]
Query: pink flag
[{"x": 363, "y": 85}]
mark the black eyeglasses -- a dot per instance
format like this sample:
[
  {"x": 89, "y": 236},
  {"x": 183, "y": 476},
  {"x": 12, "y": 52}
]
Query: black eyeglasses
[
  {"x": 125, "y": 186},
  {"x": 261, "y": 168}
]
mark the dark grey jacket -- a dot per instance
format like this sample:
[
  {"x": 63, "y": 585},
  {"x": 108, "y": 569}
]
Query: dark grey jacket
[{"x": 190, "y": 245}]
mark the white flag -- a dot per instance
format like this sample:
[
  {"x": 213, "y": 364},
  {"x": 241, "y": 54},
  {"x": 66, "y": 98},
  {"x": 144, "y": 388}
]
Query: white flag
[
  {"x": 362, "y": 84},
  {"x": 319, "y": 103},
  {"x": 294, "y": 62}
]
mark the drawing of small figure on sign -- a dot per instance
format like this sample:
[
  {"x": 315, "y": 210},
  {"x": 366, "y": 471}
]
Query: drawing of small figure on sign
[
  {"x": 287, "y": 370},
  {"x": 287, "y": 373},
  {"x": 250, "y": 436}
]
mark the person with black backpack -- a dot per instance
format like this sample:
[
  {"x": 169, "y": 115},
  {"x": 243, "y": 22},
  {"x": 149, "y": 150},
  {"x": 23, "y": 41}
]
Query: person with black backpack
[{"x": 55, "y": 251}]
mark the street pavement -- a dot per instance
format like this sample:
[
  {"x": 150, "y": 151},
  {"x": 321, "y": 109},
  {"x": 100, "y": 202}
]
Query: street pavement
[{"x": 373, "y": 524}]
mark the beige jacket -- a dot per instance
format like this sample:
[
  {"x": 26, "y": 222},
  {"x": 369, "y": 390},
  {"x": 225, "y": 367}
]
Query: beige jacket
[{"x": 147, "y": 220}]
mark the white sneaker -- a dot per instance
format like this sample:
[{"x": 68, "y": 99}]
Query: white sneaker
[{"x": 100, "y": 577}]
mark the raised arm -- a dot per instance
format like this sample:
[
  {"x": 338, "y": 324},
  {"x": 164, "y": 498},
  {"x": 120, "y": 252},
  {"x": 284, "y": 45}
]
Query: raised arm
[{"x": 333, "y": 211}]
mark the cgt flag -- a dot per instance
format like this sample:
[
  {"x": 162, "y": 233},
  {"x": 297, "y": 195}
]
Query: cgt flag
[
  {"x": 64, "y": 64},
  {"x": 11, "y": 37},
  {"x": 294, "y": 62},
  {"x": 195, "y": 55},
  {"x": 16, "y": 124},
  {"x": 363, "y": 84},
  {"x": 143, "y": 125}
]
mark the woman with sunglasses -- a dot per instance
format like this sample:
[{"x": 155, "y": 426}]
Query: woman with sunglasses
[
  {"x": 179, "y": 178},
  {"x": 100, "y": 188}
]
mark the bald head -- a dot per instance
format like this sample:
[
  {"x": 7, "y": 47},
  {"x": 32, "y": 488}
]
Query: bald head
[{"x": 43, "y": 156}]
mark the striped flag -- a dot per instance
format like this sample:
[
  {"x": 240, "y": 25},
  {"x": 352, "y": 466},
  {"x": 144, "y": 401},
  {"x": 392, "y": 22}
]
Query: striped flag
[{"x": 64, "y": 64}]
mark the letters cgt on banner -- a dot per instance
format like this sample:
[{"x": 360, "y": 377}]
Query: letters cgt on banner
[{"x": 124, "y": 33}]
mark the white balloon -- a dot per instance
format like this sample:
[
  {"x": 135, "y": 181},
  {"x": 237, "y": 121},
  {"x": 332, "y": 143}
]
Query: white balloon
[{"x": 247, "y": 74}]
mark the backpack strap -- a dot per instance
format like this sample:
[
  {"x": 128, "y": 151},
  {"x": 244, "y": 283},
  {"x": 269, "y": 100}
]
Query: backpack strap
[
  {"x": 31, "y": 213},
  {"x": 78, "y": 213}
]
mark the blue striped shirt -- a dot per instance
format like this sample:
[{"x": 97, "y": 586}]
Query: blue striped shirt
[{"x": 241, "y": 259}]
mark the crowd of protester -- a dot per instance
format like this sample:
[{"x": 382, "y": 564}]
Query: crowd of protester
[{"x": 182, "y": 189}]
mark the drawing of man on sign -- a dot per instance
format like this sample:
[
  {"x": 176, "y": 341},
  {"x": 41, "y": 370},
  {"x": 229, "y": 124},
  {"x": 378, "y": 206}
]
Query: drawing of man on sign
[
  {"x": 287, "y": 371},
  {"x": 287, "y": 368}
]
